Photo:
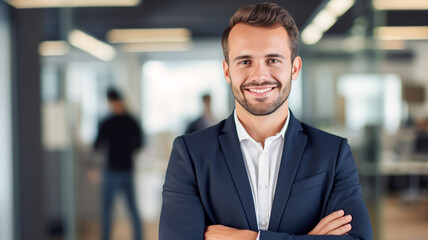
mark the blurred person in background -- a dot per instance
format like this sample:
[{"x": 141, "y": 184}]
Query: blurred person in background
[
  {"x": 261, "y": 173},
  {"x": 119, "y": 136},
  {"x": 205, "y": 120}
]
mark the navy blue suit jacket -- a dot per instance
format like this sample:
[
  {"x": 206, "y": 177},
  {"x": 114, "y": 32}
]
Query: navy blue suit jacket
[{"x": 206, "y": 183}]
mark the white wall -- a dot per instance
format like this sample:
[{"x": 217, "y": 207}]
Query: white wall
[{"x": 6, "y": 193}]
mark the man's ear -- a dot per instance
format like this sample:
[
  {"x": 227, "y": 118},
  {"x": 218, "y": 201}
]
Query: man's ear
[
  {"x": 297, "y": 65},
  {"x": 226, "y": 71}
]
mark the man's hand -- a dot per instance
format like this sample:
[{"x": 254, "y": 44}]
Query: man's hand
[
  {"x": 220, "y": 232},
  {"x": 334, "y": 224}
]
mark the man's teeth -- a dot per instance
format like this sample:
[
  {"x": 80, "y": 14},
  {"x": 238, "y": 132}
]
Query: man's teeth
[{"x": 260, "y": 90}]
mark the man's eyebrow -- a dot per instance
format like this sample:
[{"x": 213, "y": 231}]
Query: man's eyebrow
[
  {"x": 241, "y": 57},
  {"x": 276, "y": 55}
]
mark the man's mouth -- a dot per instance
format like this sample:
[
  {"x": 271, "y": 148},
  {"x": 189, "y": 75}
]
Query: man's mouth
[{"x": 259, "y": 90}]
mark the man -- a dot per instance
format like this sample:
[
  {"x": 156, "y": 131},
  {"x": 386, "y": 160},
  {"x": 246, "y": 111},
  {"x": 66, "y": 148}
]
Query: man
[
  {"x": 262, "y": 174},
  {"x": 205, "y": 120},
  {"x": 120, "y": 135}
]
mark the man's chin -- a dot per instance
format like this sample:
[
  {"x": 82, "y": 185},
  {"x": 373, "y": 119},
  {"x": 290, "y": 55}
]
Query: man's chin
[
  {"x": 261, "y": 114},
  {"x": 261, "y": 111}
]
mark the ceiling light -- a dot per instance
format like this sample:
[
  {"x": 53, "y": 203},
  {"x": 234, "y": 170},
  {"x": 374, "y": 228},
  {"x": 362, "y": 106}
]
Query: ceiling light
[
  {"x": 311, "y": 34},
  {"x": 400, "y": 4},
  {"x": 324, "y": 20},
  {"x": 339, "y": 7},
  {"x": 53, "y": 48},
  {"x": 91, "y": 45},
  {"x": 401, "y": 33},
  {"x": 149, "y": 35},
  {"x": 70, "y": 3},
  {"x": 156, "y": 47}
]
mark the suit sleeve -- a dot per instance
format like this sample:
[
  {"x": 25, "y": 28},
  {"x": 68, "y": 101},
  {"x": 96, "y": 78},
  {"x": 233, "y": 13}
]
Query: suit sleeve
[
  {"x": 346, "y": 195},
  {"x": 182, "y": 215}
]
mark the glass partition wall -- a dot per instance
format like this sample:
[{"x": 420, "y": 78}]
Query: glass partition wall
[
  {"x": 346, "y": 96},
  {"x": 371, "y": 89},
  {"x": 6, "y": 164}
]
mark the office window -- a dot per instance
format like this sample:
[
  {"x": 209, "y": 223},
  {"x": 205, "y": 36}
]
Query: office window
[
  {"x": 366, "y": 95},
  {"x": 172, "y": 90}
]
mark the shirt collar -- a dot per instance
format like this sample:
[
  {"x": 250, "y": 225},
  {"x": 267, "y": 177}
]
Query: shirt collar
[{"x": 242, "y": 133}]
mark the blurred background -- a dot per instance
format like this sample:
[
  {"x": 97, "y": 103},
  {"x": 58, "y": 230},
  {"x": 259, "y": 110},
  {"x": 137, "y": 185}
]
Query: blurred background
[{"x": 364, "y": 77}]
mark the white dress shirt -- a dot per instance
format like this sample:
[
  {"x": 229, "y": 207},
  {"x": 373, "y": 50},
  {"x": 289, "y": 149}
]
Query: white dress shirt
[{"x": 262, "y": 165}]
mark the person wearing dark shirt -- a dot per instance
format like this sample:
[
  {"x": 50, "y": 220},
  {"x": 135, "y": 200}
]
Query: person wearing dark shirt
[
  {"x": 205, "y": 120},
  {"x": 119, "y": 136}
]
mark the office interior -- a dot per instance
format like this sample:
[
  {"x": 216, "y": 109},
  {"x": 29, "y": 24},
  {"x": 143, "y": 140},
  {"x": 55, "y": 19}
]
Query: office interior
[{"x": 364, "y": 77}]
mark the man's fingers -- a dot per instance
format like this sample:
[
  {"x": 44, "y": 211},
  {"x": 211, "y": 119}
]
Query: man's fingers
[
  {"x": 337, "y": 223},
  {"x": 318, "y": 230},
  {"x": 332, "y": 216},
  {"x": 212, "y": 231},
  {"x": 220, "y": 232},
  {"x": 333, "y": 224},
  {"x": 341, "y": 231}
]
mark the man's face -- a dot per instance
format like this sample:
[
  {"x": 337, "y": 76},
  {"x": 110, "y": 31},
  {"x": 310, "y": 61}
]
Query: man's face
[{"x": 260, "y": 68}]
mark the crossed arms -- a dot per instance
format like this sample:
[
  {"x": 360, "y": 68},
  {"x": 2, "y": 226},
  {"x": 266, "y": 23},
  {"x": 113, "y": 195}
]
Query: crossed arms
[
  {"x": 184, "y": 215},
  {"x": 334, "y": 224}
]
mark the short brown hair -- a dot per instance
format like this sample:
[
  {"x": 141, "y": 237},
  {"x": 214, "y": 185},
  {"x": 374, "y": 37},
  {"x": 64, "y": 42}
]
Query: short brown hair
[{"x": 264, "y": 15}]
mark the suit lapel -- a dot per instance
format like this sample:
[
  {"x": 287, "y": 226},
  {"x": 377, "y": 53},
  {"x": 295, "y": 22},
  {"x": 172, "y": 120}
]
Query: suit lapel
[
  {"x": 232, "y": 151},
  {"x": 294, "y": 144}
]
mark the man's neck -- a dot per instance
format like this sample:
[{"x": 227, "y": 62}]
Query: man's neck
[{"x": 262, "y": 127}]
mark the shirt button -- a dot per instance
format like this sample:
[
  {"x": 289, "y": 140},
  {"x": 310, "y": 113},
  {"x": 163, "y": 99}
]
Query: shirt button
[
  {"x": 264, "y": 186},
  {"x": 264, "y": 223}
]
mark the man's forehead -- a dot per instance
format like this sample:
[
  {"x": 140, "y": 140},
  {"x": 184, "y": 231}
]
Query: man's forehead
[
  {"x": 246, "y": 33},
  {"x": 246, "y": 26},
  {"x": 246, "y": 39}
]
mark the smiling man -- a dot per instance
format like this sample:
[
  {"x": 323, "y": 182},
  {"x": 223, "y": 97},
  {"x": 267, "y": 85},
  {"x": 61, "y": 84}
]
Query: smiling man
[{"x": 261, "y": 173}]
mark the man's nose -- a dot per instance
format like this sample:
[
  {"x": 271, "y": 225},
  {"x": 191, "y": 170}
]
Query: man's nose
[{"x": 259, "y": 72}]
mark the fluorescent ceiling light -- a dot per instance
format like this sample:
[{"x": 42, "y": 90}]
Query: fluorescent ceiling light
[
  {"x": 53, "y": 48},
  {"x": 149, "y": 35},
  {"x": 339, "y": 7},
  {"x": 401, "y": 33},
  {"x": 311, "y": 34},
  {"x": 325, "y": 19},
  {"x": 91, "y": 45},
  {"x": 156, "y": 47},
  {"x": 400, "y": 4},
  {"x": 70, "y": 3}
]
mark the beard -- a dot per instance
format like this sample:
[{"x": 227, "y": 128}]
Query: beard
[{"x": 262, "y": 107}]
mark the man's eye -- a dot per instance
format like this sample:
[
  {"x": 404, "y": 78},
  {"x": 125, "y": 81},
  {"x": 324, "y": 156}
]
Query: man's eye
[
  {"x": 245, "y": 62},
  {"x": 273, "y": 60}
]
